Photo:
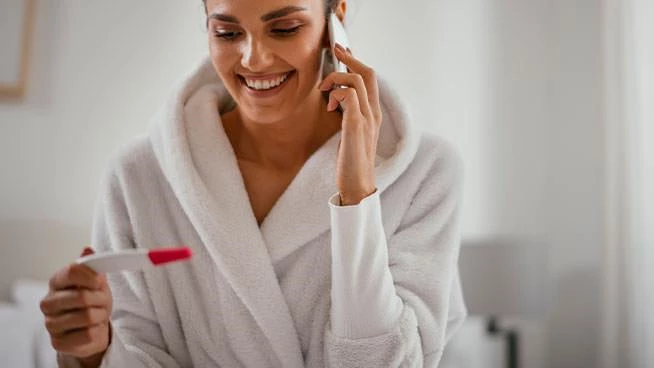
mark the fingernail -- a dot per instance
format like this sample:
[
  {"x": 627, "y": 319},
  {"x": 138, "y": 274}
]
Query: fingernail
[
  {"x": 339, "y": 47},
  {"x": 87, "y": 251}
]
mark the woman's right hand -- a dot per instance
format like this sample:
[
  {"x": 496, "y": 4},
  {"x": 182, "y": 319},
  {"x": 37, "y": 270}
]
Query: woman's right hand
[{"x": 77, "y": 312}]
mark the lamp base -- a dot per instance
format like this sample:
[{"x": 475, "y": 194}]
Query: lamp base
[{"x": 511, "y": 338}]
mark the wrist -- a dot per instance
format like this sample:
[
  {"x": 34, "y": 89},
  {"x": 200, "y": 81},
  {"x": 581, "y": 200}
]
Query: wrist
[
  {"x": 353, "y": 198},
  {"x": 93, "y": 361}
]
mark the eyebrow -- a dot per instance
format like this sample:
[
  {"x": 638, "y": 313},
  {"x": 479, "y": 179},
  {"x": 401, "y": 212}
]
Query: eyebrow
[{"x": 264, "y": 18}]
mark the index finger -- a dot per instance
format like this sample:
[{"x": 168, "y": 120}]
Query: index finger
[
  {"x": 368, "y": 74},
  {"x": 75, "y": 276}
]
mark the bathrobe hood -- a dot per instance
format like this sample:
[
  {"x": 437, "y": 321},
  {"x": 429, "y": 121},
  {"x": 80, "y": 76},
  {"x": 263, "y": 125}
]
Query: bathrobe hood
[{"x": 199, "y": 164}]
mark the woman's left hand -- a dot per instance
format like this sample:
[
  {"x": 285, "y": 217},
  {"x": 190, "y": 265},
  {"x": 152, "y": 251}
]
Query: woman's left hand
[{"x": 362, "y": 117}]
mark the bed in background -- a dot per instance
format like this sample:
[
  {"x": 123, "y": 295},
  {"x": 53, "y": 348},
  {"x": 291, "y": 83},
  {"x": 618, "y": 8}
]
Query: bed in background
[{"x": 24, "y": 342}]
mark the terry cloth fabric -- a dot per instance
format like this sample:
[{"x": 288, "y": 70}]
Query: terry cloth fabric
[{"x": 316, "y": 285}]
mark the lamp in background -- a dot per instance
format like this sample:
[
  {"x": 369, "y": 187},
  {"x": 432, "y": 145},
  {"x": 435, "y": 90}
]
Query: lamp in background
[{"x": 504, "y": 278}]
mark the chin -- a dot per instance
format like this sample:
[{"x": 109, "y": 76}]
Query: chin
[{"x": 267, "y": 115}]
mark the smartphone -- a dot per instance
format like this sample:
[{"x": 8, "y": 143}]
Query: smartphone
[{"x": 338, "y": 35}]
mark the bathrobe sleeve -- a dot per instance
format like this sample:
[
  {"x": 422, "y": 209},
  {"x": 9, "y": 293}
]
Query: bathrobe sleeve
[
  {"x": 136, "y": 341},
  {"x": 396, "y": 298}
]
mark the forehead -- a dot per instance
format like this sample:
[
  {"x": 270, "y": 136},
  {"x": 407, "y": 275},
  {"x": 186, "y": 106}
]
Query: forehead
[{"x": 244, "y": 9}]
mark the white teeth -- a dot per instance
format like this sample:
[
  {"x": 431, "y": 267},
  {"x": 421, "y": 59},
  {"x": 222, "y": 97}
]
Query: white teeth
[{"x": 267, "y": 84}]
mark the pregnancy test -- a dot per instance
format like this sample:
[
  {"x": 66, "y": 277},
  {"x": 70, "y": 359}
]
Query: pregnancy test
[{"x": 134, "y": 259}]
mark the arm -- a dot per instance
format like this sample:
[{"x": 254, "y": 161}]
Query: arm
[{"x": 392, "y": 300}]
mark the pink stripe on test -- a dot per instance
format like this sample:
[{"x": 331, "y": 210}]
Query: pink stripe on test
[{"x": 166, "y": 255}]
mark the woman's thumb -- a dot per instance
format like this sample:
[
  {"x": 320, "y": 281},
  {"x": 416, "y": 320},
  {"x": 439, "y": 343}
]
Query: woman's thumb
[{"x": 87, "y": 251}]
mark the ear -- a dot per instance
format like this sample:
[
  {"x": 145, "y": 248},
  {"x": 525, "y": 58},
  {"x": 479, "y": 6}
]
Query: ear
[{"x": 340, "y": 10}]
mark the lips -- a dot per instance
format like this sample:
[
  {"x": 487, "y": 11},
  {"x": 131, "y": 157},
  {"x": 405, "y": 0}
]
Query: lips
[
  {"x": 262, "y": 80},
  {"x": 266, "y": 76},
  {"x": 267, "y": 92}
]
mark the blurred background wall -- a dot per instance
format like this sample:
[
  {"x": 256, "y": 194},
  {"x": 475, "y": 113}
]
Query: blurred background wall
[
  {"x": 98, "y": 72},
  {"x": 516, "y": 85}
]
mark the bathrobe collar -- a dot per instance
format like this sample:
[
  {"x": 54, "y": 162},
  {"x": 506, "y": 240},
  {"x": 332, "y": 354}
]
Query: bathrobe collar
[{"x": 199, "y": 163}]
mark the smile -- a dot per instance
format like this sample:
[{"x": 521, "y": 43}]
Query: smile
[{"x": 266, "y": 87}]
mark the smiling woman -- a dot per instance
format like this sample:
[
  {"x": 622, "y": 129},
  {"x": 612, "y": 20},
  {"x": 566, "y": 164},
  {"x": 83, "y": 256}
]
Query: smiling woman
[
  {"x": 257, "y": 51},
  {"x": 324, "y": 225}
]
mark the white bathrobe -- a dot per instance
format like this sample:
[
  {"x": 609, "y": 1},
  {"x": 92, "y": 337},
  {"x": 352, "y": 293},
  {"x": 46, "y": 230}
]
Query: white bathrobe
[{"x": 316, "y": 285}]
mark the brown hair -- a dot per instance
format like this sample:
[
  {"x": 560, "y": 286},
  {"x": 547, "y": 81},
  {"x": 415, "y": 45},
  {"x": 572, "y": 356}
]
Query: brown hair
[{"x": 330, "y": 5}]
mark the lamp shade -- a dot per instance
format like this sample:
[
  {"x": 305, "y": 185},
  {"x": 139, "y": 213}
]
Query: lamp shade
[{"x": 503, "y": 277}]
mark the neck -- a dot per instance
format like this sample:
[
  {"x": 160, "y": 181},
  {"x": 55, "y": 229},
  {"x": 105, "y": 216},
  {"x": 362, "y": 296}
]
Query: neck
[{"x": 284, "y": 144}]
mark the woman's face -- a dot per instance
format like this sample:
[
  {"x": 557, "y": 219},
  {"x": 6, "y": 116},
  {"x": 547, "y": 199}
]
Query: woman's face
[{"x": 267, "y": 53}]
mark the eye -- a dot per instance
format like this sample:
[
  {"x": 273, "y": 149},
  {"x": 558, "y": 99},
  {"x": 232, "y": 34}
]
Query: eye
[
  {"x": 226, "y": 35},
  {"x": 232, "y": 35},
  {"x": 286, "y": 31}
]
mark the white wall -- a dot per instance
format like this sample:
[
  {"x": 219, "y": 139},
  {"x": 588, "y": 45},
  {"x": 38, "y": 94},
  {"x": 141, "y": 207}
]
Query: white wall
[
  {"x": 645, "y": 44},
  {"x": 576, "y": 181},
  {"x": 99, "y": 70},
  {"x": 628, "y": 291},
  {"x": 515, "y": 84}
]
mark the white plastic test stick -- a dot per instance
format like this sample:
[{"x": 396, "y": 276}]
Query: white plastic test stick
[{"x": 135, "y": 259}]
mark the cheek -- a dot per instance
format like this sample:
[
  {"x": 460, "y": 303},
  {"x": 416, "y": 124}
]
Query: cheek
[
  {"x": 306, "y": 56},
  {"x": 304, "y": 52},
  {"x": 223, "y": 60}
]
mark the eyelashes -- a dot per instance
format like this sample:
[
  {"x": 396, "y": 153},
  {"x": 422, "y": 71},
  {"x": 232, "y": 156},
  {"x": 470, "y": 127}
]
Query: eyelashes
[
  {"x": 279, "y": 32},
  {"x": 228, "y": 36},
  {"x": 287, "y": 31}
]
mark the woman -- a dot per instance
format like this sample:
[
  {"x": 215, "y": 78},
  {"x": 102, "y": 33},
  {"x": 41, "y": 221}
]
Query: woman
[{"x": 324, "y": 230}]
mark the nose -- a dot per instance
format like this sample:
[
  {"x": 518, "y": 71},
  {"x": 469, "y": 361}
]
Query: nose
[{"x": 256, "y": 56}]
